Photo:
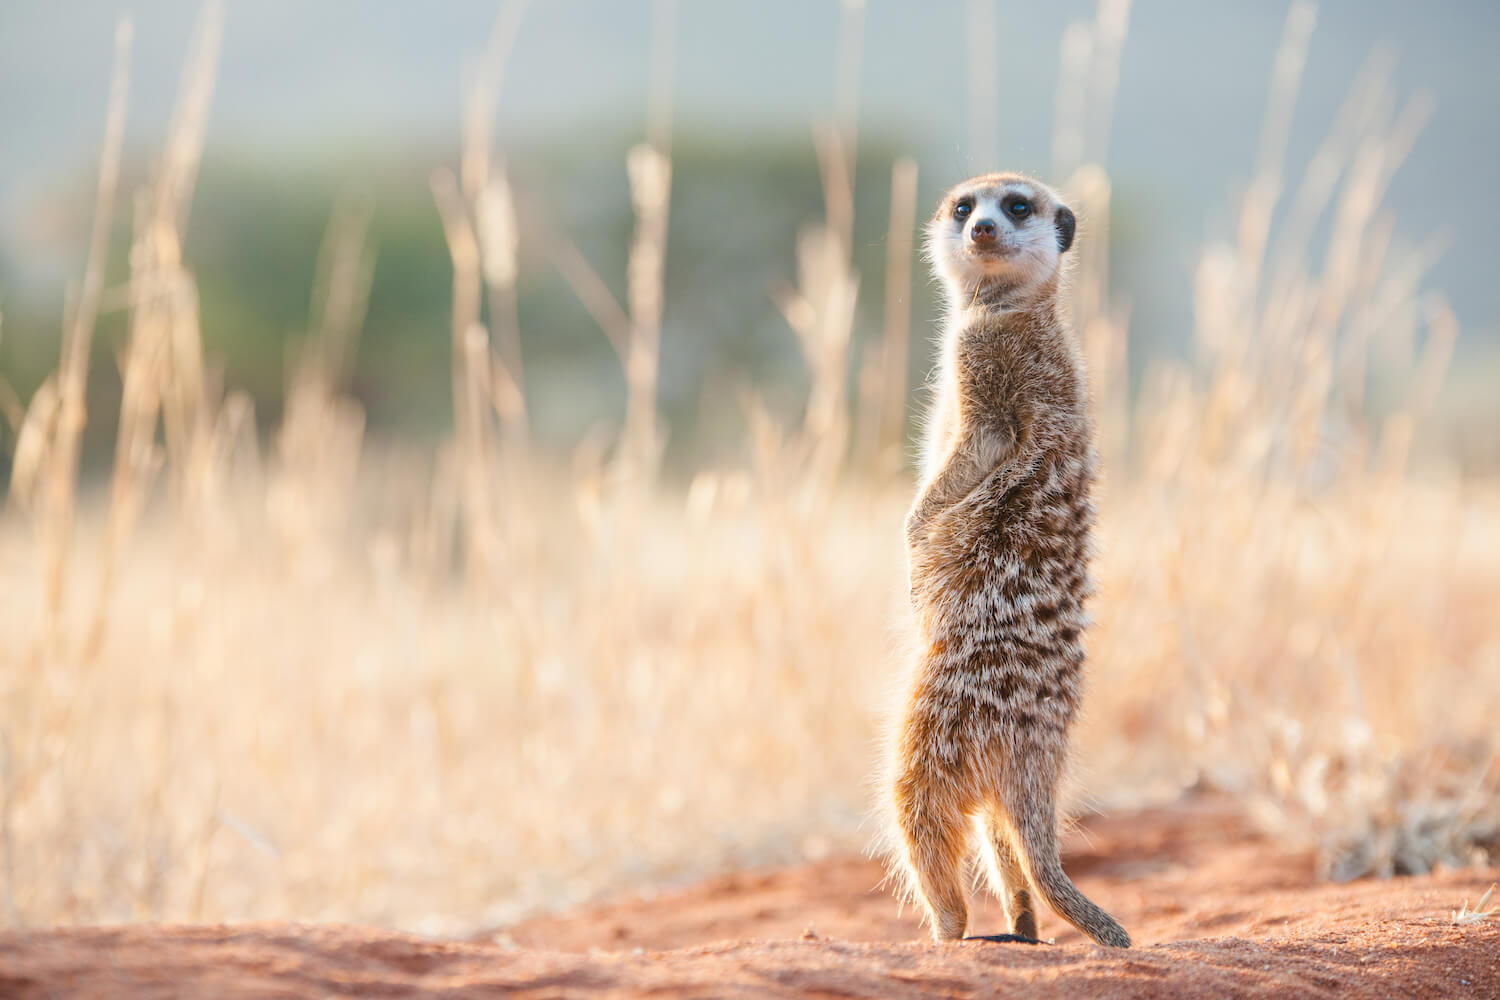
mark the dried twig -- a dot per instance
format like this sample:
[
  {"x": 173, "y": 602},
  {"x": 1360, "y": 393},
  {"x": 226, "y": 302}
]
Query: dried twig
[{"x": 1481, "y": 911}]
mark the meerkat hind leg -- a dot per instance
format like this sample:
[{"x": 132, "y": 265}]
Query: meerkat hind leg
[
  {"x": 1008, "y": 879},
  {"x": 934, "y": 835}
]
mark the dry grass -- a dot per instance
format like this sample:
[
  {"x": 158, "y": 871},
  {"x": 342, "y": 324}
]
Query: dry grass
[
  {"x": 339, "y": 680},
  {"x": 1481, "y": 911}
]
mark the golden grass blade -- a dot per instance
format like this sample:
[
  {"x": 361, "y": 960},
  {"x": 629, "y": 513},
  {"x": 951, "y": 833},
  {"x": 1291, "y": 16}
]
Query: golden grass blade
[
  {"x": 595, "y": 295},
  {"x": 63, "y": 445},
  {"x": 981, "y": 36},
  {"x": 1481, "y": 911},
  {"x": 900, "y": 238}
]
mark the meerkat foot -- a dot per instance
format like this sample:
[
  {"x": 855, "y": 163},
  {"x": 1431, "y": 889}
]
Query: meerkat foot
[
  {"x": 1023, "y": 924},
  {"x": 940, "y": 887},
  {"x": 950, "y": 925},
  {"x": 934, "y": 836},
  {"x": 1008, "y": 879}
]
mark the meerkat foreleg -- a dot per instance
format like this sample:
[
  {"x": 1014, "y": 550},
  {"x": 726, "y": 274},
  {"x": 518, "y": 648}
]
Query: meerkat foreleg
[
  {"x": 934, "y": 840},
  {"x": 968, "y": 464},
  {"x": 1028, "y": 803},
  {"x": 1008, "y": 877}
]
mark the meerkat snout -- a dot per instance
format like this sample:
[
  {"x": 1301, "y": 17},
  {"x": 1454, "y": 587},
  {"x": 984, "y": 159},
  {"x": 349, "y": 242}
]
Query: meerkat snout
[{"x": 982, "y": 231}]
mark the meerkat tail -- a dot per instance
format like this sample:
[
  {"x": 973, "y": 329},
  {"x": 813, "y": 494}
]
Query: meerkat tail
[
  {"x": 1008, "y": 877},
  {"x": 934, "y": 845},
  {"x": 1034, "y": 822}
]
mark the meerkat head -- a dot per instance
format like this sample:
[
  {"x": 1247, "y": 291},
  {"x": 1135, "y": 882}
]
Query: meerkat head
[{"x": 1005, "y": 230}]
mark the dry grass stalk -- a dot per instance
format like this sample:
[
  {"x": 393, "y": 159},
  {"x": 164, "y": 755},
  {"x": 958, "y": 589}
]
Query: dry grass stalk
[
  {"x": 820, "y": 310},
  {"x": 1111, "y": 21},
  {"x": 1264, "y": 193},
  {"x": 487, "y": 192},
  {"x": 649, "y": 168},
  {"x": 849, "y": 56},
  {"x": 650, "y": 172},
  {"x": 163, "y": 358},
  {"x": 820, "y": 306},
  {"x": 634, "y": 331},
  {"x": 883, "y": 383},
  {"x": 50, "y": 434},
  {"x": 1482, "y": 910},
  {"x": 311, "y": 497},
  {"x": 471, "y": 462},
  {"x": 1088, "y": 77},
  {"x": 11, "y": 407},
  {"x": 981, "y": 36},
  {"x": 1102, "y": 323},
  {"x": 346, "y": 266},
  {"x": 488, "y": 456},
  {"x": 1071, "y": 103},
  {"x": 1087, "y": 81}
]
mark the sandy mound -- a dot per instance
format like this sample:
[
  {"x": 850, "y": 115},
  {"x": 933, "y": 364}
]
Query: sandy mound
[{"x": 1215, "y": 910}]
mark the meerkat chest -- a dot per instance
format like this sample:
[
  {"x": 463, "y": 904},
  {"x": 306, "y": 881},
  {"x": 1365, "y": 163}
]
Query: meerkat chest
[{"x": 1033, "y": 536}]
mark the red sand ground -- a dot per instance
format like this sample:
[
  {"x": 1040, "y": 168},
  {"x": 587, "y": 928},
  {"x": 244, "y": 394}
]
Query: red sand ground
[{"x": 1215, "y": 911}]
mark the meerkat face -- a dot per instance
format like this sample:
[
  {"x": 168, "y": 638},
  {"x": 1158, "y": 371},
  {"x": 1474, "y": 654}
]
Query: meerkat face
[{"x": 999, "y": 227}]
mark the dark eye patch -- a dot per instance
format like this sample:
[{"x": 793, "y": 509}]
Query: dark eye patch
[
  {"x": 1017, "y": 207},
  {"x": 963, "y": 208}
]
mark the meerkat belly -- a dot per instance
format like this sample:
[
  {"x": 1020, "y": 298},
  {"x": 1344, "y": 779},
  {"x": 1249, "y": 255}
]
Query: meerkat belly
[
  {"x": 1005, "y": 623},
  {"x": 1014, "y": 645}
]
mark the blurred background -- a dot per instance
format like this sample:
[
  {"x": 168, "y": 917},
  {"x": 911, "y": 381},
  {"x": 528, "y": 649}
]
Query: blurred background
[
  {"x": 455, "y": 458},
  {"x": 364, "y": 100}
]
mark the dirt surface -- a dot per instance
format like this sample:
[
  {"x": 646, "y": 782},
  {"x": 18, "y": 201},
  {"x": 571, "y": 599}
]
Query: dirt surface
[{"x": 1215, "y": 912}]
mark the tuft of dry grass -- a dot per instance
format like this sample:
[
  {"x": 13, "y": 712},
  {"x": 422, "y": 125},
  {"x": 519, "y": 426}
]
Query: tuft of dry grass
[
  {"x": 1481, "y": 911},
  {"x": 337, "y": 679}
]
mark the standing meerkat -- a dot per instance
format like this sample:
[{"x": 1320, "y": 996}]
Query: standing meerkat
[{"x": 998, "y": 549}]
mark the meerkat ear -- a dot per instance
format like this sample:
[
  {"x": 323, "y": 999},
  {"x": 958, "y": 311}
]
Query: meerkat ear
[{"x": 1066, "y": 223}]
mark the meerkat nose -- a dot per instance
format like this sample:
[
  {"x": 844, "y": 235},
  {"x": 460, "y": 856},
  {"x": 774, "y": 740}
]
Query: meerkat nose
[{"x": 983, "y": 231}]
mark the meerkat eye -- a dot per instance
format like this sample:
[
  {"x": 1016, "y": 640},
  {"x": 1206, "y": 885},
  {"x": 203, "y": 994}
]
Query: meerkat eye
[
  {"x": 1018, "y": 208},
  {"x": 962, "y": 209}
]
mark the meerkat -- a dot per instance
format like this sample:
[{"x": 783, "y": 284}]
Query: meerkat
[{"x": 998, "y": 547}]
